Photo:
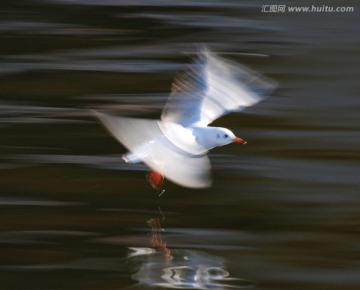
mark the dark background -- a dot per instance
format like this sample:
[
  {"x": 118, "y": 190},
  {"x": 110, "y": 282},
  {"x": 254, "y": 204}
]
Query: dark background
[{"x": 283, "y": 212}]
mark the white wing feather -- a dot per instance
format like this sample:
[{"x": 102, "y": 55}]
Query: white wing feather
[
  {"x": 213, "y": 87},
  {"x": 148, "y": 140}
]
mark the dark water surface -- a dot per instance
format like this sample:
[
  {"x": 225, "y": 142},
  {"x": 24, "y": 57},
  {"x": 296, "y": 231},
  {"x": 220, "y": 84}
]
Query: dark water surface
[{"x": 284, "y": 211}]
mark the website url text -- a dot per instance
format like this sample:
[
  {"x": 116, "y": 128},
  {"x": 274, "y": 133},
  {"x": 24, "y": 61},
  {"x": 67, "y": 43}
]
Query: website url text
[{"x": 305, "y": 9}]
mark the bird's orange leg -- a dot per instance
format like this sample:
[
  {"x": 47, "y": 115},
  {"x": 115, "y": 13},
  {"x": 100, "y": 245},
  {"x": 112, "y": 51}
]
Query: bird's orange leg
[{"x": 156, "y": 180}]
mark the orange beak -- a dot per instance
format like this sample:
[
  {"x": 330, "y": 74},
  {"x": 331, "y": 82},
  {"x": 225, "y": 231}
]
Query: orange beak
[{"x": 239, "y": 140}]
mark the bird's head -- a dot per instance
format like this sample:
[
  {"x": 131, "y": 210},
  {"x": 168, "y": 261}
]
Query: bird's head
[{"x": 224, "y": 136}]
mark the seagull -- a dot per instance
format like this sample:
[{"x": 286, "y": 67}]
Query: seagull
[{"x": 176, "y": 146}]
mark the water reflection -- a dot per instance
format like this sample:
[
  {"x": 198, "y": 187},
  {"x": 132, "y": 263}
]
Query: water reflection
[{"x": 179, "y": 268}]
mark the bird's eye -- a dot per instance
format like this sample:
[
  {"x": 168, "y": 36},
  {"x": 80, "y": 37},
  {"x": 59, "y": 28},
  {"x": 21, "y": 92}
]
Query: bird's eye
[{"x": 226, "y": 135}]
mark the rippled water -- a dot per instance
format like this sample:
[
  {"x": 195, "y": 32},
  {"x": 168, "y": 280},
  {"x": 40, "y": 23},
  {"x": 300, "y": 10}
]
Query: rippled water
[{"x": 283, "y": 212}]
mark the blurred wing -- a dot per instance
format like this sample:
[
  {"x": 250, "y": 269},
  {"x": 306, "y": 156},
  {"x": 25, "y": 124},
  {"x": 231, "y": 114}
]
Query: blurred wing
[
  {"x": 147, "y": 139},
  {"x": 188, "y": 92},
  {"x": 213, "y": 87}
]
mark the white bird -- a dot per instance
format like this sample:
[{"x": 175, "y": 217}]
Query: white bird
[{"x": 176, "y": 146}]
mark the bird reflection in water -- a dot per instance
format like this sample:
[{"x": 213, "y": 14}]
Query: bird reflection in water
[
  {"x": 156, "y": 238},
  {"x": 179, "y": 268}
]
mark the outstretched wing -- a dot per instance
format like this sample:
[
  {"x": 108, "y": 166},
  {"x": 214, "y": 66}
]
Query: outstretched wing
[
  {"x": 213, "y": 87},
  {"x": 148, "y": 140}
]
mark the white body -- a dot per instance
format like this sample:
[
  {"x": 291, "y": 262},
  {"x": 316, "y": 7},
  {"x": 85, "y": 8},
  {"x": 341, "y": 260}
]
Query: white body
[{"x": 176, "y": 145}]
